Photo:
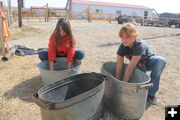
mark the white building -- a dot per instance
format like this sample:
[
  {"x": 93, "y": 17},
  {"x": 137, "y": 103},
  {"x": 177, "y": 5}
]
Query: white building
[{"x": 109, "y": 8}]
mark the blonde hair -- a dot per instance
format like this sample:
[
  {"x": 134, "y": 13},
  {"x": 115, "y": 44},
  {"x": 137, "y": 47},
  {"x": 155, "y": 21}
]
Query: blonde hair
[{"x": 130, "y": 29}]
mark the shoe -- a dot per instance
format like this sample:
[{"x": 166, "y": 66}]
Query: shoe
[{"x": 153, "y": 100}]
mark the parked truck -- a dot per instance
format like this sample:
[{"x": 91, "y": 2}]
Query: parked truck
[
  {"x": 122, "y": 19},
  {"x": 174, "y": 22}
]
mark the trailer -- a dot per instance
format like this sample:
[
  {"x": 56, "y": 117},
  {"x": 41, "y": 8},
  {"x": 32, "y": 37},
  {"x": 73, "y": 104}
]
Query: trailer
[{"x": 157, "y": 23}]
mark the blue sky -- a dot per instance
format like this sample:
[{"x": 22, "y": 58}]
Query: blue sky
[{"x": 159, "y": 5}]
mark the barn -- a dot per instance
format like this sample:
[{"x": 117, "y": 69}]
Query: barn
[{"x": 109, "y": 8}]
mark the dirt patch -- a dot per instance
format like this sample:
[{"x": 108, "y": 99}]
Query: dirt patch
[{"x": 20, "y": 77}]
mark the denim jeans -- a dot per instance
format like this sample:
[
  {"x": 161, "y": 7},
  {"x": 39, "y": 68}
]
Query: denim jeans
[
  {"x": 79, "y": 54},
  {"x": 155, "y": 64}
]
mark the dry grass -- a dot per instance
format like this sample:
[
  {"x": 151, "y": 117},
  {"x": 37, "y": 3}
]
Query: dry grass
[
  {"x": 25, "y": 31},
  {"x": 4, "y": 65}
]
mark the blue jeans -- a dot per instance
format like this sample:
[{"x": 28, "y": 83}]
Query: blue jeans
[
  {"x": 155, "y": 64},
  {"x": 79, "y": 54}
]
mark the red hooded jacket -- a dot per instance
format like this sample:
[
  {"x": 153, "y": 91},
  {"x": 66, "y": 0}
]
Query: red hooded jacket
[{"x": 63, "y": 49}]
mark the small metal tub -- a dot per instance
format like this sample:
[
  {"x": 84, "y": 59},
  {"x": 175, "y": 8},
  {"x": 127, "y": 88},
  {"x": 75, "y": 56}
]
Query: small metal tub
[
  {"x": 60, "y": 70},
  {"x": 79, "y": 97},
  {"x": 126, "y": 100}
]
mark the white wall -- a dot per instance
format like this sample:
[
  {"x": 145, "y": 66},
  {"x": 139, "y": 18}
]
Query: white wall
[{"x": 111, "y": 10}]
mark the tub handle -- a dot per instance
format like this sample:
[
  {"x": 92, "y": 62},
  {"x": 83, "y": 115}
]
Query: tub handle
[
  {"x": 42, "y": 104},
  {"x": 146, "y": 86}
]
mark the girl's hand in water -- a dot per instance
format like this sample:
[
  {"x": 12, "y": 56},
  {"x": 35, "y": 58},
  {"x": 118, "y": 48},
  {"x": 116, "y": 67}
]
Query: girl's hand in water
[{"x": 51, "y": 65}]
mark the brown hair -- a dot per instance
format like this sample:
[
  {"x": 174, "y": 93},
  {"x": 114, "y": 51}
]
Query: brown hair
[
  {"x": 129, "y": 29},
  {"x": 65, "y": 24}
]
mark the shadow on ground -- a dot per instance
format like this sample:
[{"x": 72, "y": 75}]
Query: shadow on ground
[
  {"x": 148, "y": 105},
  {"x": 147, "y": 38},
  {"x": 25, "y": 89},
  {"x": 109, "y": 44}
]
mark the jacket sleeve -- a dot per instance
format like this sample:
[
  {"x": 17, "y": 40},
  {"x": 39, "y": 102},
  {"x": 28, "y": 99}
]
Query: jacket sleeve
[
  {"x": 52, "y": 48},
  {"x": 71, "y": 51}
]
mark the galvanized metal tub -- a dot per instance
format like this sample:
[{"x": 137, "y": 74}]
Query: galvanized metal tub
[
  {"x": 79, "y": 97},
  {"x": 60, "y": 70},
  {"x": 126, "y": 100}
]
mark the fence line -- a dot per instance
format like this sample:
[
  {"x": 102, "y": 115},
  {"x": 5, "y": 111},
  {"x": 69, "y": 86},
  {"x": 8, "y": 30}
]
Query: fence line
[{"x": 50, "y": 14}]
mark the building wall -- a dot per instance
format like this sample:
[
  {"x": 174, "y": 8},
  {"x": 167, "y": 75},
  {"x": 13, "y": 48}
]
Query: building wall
[{"x": 111, "y": 10}]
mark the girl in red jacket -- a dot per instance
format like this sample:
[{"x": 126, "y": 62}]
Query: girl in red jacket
[{"x": 61, "y": 44}]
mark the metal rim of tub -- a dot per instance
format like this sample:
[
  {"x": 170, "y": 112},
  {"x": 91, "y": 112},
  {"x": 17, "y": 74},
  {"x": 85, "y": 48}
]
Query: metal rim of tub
[
  {"x": 71, "y": 69},
  {"x": 102, "y": 68},
  {"x": 75, "y": 99}
]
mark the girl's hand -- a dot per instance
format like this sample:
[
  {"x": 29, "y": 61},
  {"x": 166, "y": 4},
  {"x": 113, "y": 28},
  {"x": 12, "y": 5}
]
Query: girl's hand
[
  {"x": 51, "y": 65},
  {"x": 131, "y": 67},
  {"x": 70, "y": 65},
  {"x": 125, "y": 81},
  {"x": 119, "y": 66}
]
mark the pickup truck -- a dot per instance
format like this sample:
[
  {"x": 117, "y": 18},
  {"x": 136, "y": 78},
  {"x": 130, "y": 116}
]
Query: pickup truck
[
  {"x": 122, "y": 19},
  {"x": 174, "y": 22}
]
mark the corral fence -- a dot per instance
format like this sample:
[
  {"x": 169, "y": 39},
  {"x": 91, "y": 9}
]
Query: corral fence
[{"x": 50, "y": 14}]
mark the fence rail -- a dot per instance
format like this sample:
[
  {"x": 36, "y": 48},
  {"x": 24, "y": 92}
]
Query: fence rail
[
  {"x": 37, "y": 13},
  {"x": 87, "y": 15}
]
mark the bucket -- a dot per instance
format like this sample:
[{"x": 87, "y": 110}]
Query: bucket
[
  {"x": 60, "y": 70},
  {"x": 79, "y": 97},
  {"x": 126, "y": 100}
]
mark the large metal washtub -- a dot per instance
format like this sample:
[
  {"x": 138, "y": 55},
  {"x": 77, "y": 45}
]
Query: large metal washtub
[
  {"x": 126, "y": 100},
  {"x": 79, "y": 97},
  {"x": 60, "y": 70}
]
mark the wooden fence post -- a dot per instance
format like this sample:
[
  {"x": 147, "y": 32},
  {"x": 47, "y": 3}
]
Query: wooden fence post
[
  {"x": 14, "y": 15},
  {"x": 40, "y": 14},
  {"x": 20, "y": 12},
  {"x": 88, "y": 14},
  {"x": 109, "y": 18},
  {"x": 69, "y": 10},
  {"x": 28, "y": 15},
  {"x": 9, "y": 13},
  {"x": 2, "y": 47},
  {"x": 46, "y": 13}
]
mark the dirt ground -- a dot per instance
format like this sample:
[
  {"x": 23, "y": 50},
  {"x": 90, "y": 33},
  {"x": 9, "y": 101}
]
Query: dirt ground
[{"x": 20, "y": 77}]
